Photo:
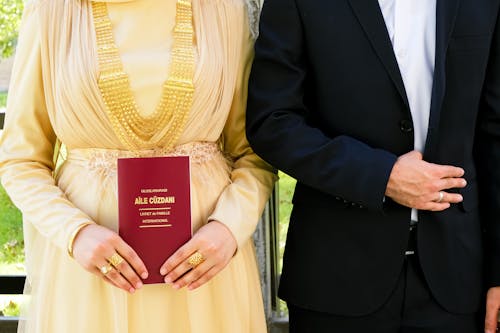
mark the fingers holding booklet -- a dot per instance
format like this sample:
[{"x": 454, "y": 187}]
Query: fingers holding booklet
[
  {"x": 94, "y": 247},
  {"x": 201, "y": 258}
]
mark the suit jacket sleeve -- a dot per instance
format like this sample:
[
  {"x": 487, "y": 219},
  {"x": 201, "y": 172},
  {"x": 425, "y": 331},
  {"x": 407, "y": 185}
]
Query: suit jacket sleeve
[
  {"x": 277, "y": 125},
  {"x": 488, "y": 161}
]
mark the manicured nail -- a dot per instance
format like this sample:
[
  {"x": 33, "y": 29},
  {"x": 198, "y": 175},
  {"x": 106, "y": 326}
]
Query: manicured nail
[{"x": 144, "y": 275}]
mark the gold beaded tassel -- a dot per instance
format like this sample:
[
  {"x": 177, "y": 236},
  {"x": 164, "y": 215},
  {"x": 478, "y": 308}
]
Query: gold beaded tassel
[{"x": 163, "y": 128}]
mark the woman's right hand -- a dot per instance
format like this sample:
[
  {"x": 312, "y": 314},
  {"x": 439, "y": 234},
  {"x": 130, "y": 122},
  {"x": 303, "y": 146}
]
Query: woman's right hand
[{"x": 93, "y": 248}]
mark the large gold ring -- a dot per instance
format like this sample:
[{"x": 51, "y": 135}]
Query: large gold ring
[
  {"x": 115, "y": 260},
  {"x": 195, "y": 259},
  {"x": 106, "y": 269}
]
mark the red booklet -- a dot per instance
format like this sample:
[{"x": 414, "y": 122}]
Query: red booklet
[{"x": 154, "y": 208}]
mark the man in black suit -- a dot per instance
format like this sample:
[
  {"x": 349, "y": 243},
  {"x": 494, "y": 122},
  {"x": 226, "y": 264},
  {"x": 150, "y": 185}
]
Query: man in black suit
[{"x": 388, "y": 115}]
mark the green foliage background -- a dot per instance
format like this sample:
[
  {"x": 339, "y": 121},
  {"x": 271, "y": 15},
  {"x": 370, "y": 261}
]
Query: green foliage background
[
  {"x": 11, "y": 232},
  {"x": 10, "y": 18},
  {"x": 3, "y": 99}
]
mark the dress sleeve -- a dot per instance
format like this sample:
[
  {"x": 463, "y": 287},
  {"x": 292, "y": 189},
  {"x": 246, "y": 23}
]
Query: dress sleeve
[
  {"x": 27, "y": 144},
  {"x": 241, "y": 204}
]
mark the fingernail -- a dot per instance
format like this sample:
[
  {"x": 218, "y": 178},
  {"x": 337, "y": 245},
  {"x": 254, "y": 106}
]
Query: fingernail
[
  {"x": 176, "y": 286},
  {"x": 144, "y": 275},
  {"x": 163, "y": 271},
  {"x": 464, "y": 182},
  {"x": 138, "y": 285},
  {"x": 168, "y": 279},
  {"x": 131, "y": 290},
  {"x": 190, "y": 287},
  {"x": 488, "y": 331}
]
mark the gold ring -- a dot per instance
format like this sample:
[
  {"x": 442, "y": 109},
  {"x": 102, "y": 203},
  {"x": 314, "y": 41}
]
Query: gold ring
[
  {"x": 195, "y": 259},
  {"x": 115, "y": 260},
  {"x": 106, "y": 269}
]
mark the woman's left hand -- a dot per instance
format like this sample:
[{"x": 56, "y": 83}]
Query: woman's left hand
[{"x": 216, "y": 245}]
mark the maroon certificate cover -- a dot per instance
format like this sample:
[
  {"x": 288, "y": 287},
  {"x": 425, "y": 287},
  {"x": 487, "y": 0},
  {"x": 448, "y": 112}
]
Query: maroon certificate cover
[{"x": 154, "y": 208}]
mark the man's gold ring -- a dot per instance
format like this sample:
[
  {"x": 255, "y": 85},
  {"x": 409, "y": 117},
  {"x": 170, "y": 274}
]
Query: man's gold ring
[
  {"x": 115, "y": 260},
  {"x": 195, "y": 259},
  {"x": 106, "y": 269}
]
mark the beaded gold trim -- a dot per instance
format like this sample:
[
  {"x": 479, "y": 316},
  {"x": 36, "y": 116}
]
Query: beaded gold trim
[{"x": 165, "y": 125}]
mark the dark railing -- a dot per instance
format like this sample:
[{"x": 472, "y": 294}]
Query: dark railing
[{"x": 11, "y": 284}]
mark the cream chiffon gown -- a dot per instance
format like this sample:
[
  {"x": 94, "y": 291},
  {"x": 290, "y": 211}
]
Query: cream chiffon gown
[{"x": 54, "y": 93}]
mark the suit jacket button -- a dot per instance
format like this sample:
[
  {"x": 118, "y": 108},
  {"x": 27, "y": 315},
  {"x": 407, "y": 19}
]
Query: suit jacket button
[{"x": 406, "y": 126}]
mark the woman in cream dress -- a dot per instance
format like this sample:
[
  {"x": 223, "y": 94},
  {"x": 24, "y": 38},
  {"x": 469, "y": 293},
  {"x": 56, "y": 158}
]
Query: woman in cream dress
[{"x": 120, "y": 78}]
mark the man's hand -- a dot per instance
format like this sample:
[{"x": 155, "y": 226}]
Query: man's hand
[
  {"x": 418, "y": 184},
  {"x": 492, "y": 307}
]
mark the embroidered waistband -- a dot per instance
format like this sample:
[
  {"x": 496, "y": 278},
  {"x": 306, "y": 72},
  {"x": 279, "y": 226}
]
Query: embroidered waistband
[{"x": 100, "y": 158}]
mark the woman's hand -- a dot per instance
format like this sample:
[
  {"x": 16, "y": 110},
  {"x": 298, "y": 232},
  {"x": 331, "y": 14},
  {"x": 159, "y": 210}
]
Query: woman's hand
[
  {"x": 214, "y": 242},
  {"x": 104, "y": 253}
]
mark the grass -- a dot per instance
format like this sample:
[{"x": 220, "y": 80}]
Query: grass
[
  {"x": 11, "y": 234},
  {"x": 3, "y": 99},
  {"x": 10, "y": 305},
  {"x": 286, "y": 188}
]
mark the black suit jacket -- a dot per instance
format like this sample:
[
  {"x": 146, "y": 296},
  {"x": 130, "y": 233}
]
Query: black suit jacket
[{"x": 328, "y": 106}]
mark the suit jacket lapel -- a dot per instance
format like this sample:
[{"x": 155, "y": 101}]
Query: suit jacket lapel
[
  {"x": 371, "y": 19},
  {"x": 446, "y": 13}
]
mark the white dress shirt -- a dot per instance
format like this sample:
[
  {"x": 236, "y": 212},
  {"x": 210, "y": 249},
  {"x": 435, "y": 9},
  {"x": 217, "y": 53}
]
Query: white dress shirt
[{"x": 412, "y": 29}]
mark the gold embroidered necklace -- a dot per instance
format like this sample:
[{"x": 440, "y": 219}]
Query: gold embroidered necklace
[{"x": 162, "y": 128}]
